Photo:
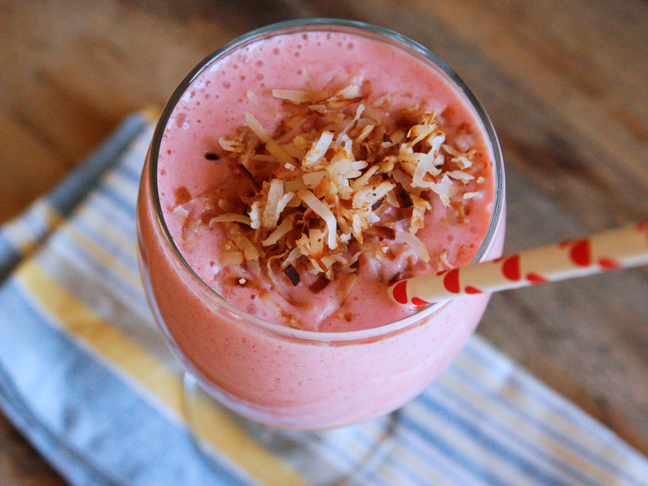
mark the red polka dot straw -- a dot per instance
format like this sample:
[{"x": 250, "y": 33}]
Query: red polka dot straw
[{"x": 615, "y": 249}]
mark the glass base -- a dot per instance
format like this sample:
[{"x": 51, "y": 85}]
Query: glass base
[{"x": 344, "y": 456}]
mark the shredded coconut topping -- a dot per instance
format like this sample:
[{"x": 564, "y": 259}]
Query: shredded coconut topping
[{"x": 336, "y": 170}]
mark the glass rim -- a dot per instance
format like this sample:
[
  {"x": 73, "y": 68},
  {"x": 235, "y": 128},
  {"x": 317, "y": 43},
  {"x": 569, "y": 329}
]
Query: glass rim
[{"x": 359, "y": 28}]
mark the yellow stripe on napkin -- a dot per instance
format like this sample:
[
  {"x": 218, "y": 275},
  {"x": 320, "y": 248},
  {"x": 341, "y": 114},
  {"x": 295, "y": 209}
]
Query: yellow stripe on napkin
[
  {"x": 25, "y": 235},
  {"x": 114, "y": 346}
]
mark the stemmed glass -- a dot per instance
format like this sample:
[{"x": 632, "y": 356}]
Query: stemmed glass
[{"x": 319, "y": 380}]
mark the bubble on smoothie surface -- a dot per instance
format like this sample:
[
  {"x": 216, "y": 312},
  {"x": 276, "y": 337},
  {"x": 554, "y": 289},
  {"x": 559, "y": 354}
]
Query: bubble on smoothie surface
[{"x": 183, "y": 120}]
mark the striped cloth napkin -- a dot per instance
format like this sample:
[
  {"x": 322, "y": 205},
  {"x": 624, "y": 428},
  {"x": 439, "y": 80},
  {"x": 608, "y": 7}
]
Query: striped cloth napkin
[{"x": 86, "y": 376}]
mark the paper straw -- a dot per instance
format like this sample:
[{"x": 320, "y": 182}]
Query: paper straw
[{"x": 620, "y": 248}]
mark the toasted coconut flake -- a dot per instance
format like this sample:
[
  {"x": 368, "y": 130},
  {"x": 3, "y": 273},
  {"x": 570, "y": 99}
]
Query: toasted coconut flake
[
  {"x": 255, "y": 216},
  {"x": 461, "y": 159},
  {"x": 366, "y": 131},
  {"x": 293, "y": 256},
  {"x": 420, "y": 132},
  {"x": 180, "y": 211},
  {"x": 230, "y": 218},
  {"x": 284, "y": 202},
  {"x": 300, "y": 96},
  {"x": 230, "y": 258},
  {"x": 463, "y": 162},
  {"x": 349, "y": 92},
  {"x": 242, "y": 242},
  {"x": 333, "y": 116},
  {"x": 256, "y": 127},
  {"x": 364, "y": 179},
  {"x": 324, "y": 212},
  {"x": 283, "y": 229},
  {"x": 392, "y": 200},
  {"x": 280, "y": 153},
  {"x": 436, "y": 142},
  {"x": 316, "y": 240},
  {"x": 319, "y": 149},
  {"x": 420, "y": 207},
  {"x": 442, "y": 188},
  {"x": 415, "y": 243},
  {"x": 293, "y": 185},
  {"x": 460, "y": 176},
  {"x": 359, "y": 225},
  {"x": 231, "y": 145},
  {"x": 444, "y": 259},
  {"x": 312, "y": 179},
  {"x": 369, "y": 194},
  {"x": 271, "y": 213},
  {"x": 406, "y": 181},
  {"x": 424, "y": 167},
  {"x": 345, "y": 142},
  {"x": 470, "y": 195},
  {"x": 351, "y": 123}
]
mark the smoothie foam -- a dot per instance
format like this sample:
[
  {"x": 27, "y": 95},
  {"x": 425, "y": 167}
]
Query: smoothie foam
[{"x": 275, "y": 373}]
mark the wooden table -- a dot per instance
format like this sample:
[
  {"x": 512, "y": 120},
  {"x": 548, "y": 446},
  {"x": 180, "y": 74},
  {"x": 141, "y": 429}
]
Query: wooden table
[{"x": 565, "y": 82}]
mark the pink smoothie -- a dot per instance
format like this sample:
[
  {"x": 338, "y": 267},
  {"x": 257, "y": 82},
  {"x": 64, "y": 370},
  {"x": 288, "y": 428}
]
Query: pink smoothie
[{"x": 320, "y": 364}]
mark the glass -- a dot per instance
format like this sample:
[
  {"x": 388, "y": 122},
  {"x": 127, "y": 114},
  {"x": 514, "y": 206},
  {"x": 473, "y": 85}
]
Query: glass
[{"x": 320, "y": 379}]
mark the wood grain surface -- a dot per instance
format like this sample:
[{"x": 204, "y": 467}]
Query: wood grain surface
[{"x": 565, "y": 83}]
